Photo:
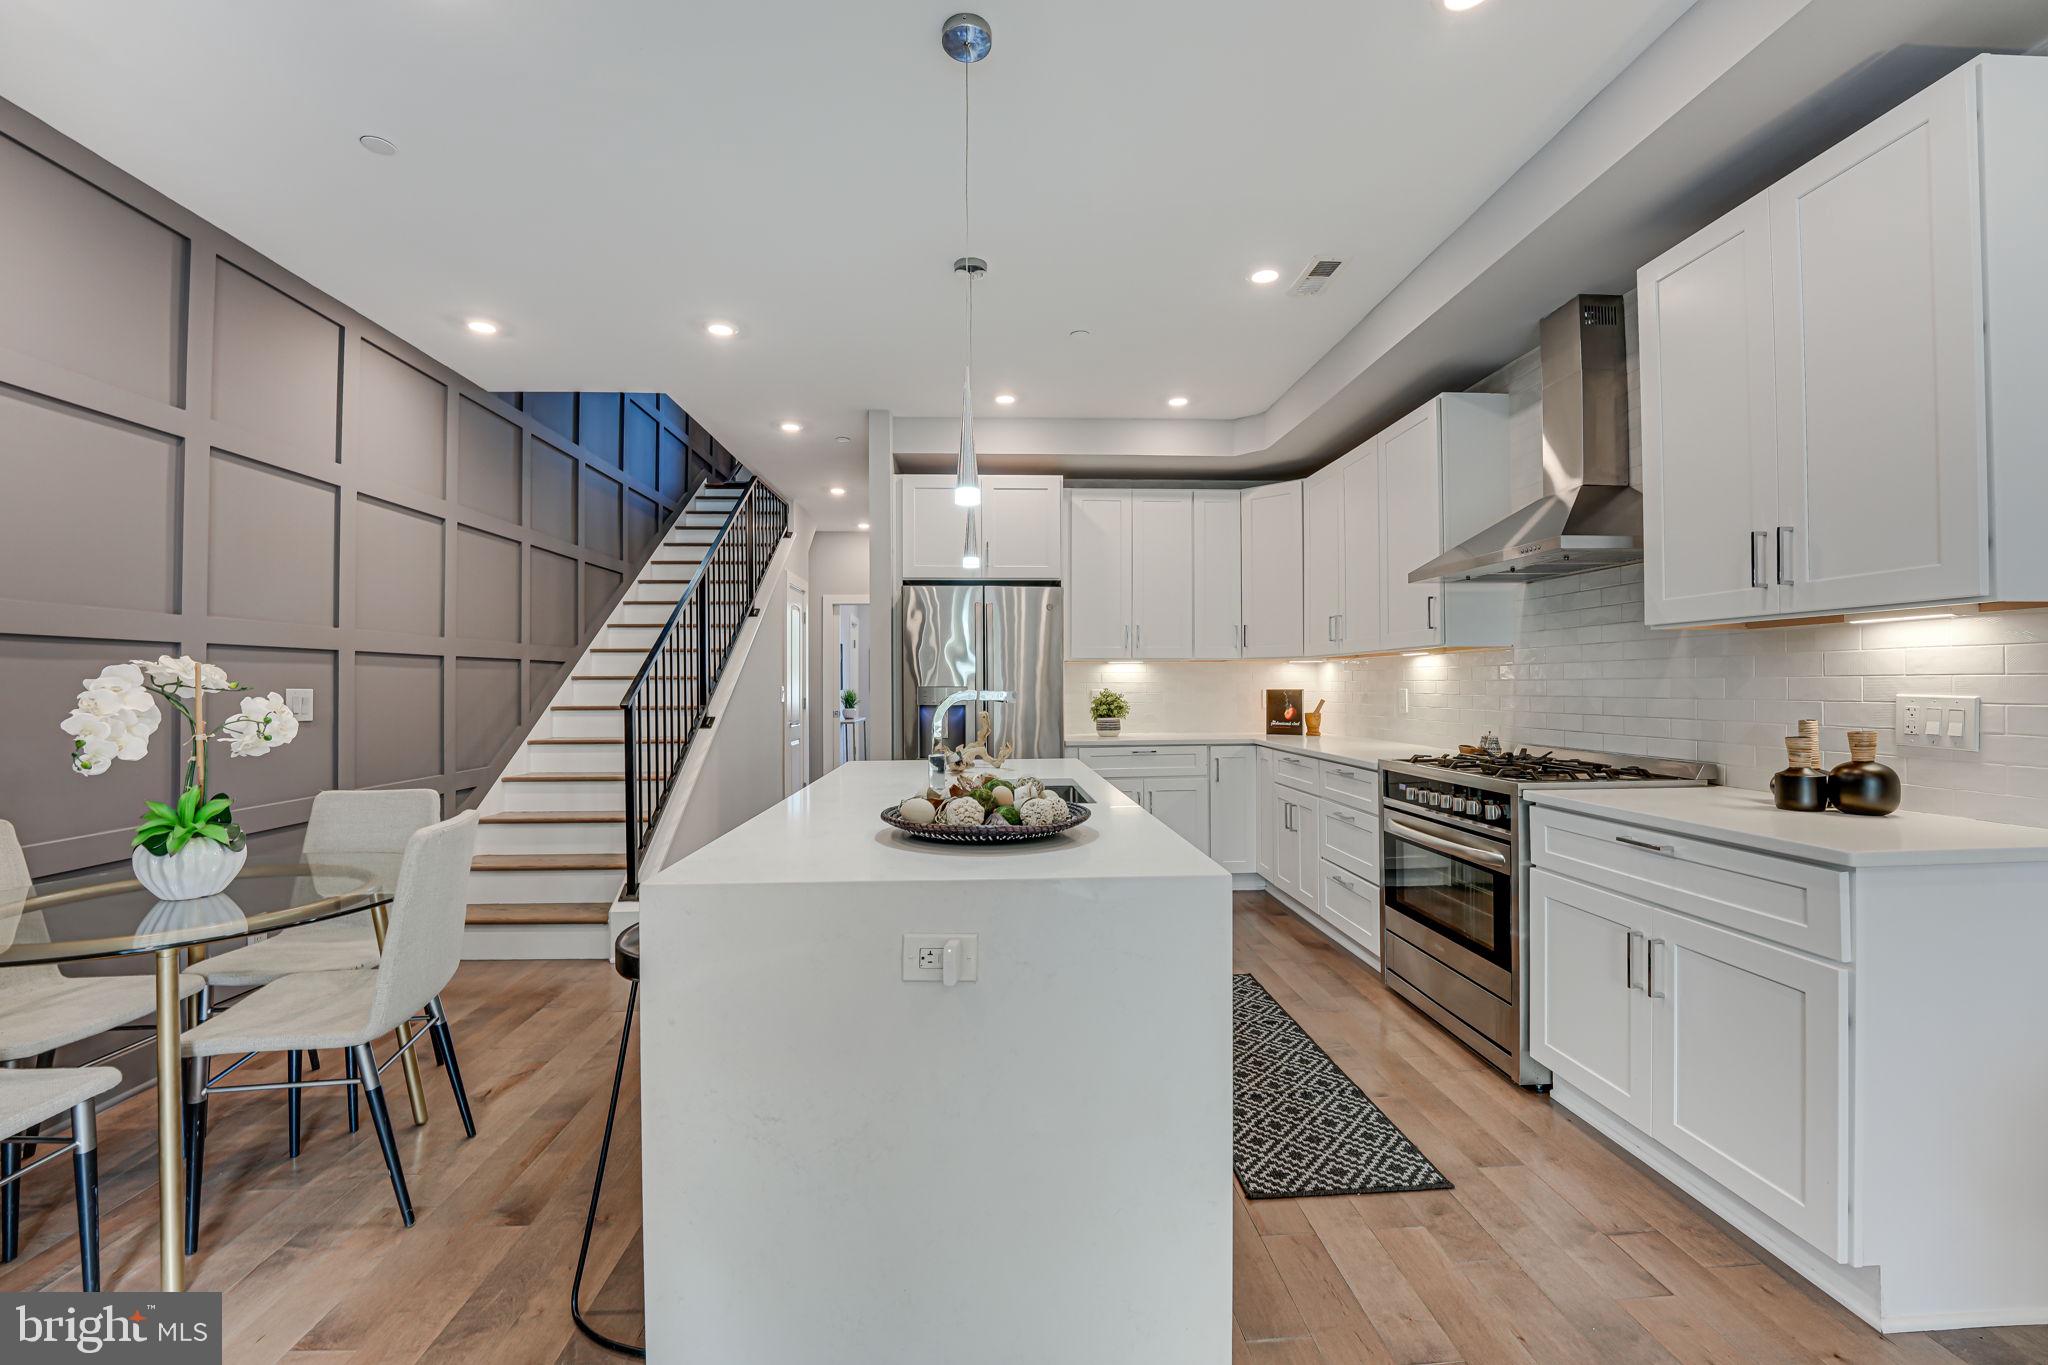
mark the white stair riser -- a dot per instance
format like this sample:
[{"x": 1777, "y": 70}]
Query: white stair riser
[
  {"x": 643, "y": 613},
  {"x": 602, "y": 692},
  {"x": 607, "y": 724},
  {"x": 564, "y": 795},
  {"x": 631, "y": 637},
  {"x": 576, "y": 758},
  {"x": 531, "y": 888},
  {"x": 532, "y": 942},
  {"x": 549, "y": 839},
  {"x": 661, "y": 595}
]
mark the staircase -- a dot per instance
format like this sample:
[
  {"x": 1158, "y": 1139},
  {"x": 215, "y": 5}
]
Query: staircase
[{"x": 553, "y": 849}]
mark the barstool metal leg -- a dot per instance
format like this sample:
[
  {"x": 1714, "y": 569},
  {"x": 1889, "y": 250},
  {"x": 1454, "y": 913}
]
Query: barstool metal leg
[
  {"x": 85, "y": 1171},
  {"x": 354, "y": 1093},
  {"x": 10, "y": 1195},
  {"x": 195, "y": 1149},
  {"x": 294, "y": 1072},
  {"x": 380, "y": 1119},
  {"x": 444, "y": 1048},
  {"x": 604, "y": 1153}
]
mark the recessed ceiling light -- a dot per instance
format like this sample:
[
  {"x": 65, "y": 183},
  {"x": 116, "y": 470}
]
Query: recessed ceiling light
[
  {"x": 1263, "y": 276},
  {"x": 792, "y": 427},
  {"x": 721, "y": 329},
  {"x": 1177, "y": 401},
  {"x": 860, "y": 526},
  {"x": 378, "y": 146},
  {"x": 843, "y": 440},
  {"x": 838, "y": 492},
  {"x": 1078, "y": 332},
  {"x": 1006, "y": 398},
  {"x": 1459, "y": 6},
  {"x": 483, "y": 327}
]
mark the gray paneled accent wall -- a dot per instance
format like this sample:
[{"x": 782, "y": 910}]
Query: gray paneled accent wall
[{"x": 201, "y": 453}]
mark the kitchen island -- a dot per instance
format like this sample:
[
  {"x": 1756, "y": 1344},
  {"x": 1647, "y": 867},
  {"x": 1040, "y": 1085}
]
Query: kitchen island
[{"x": 845, "y": 1166}]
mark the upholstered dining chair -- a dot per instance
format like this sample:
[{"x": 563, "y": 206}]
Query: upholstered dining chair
[
  {"x": 349, "y": 1009},
  {"x": 30, "y": 1099},
  {"x": 373, "y": 823},
  {"x": 41, "y": 1010}
]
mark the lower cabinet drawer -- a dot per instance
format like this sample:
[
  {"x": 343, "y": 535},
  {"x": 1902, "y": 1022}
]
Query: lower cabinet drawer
[
  {"x": 1779, "y": 899},
  {"x": 1352, "y": 906},
  {"x": 1296, "y": 771},
  {"x": 1147, "y": 760},
  {"x": 1347, "y": 782},
  {"x": 1350, "y": 838}
]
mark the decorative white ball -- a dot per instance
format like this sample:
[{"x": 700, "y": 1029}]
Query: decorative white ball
[
  {"x": 961, "y": 810},
  {"x": 918, "y": 811},
  {"x": 1004, "y": 796},
  {"x": 1043, "y": 810}
]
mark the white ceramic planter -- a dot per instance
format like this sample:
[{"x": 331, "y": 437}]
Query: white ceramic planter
[
  {"x": 200, "y": 868},
  {"x": 1109, "y": 725}
]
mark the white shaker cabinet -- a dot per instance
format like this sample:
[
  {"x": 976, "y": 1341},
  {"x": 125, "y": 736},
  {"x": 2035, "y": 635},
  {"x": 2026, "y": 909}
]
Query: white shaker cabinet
[
  {"x": 1855, "y": 355},
  {"x": 1017, "y": 528},
  {"x": 1217, "y": 578},
  {"x": 1271, "y": 548},
  {"x": 931, "y": 529},
  {"x": 1098, "y": 608},
  {"x": 1234, "y": 806},
  {"x": 1589, "y": 1014},
  {"x": 1162, "y": 573},
  {"x": 1322, "y": 560},
  {"x": 1443, "y": 477},
  {"x": 1179, "y": 803},
  {"x": 1361, "y": 621},
  {"x": 1296, "y": 871}
]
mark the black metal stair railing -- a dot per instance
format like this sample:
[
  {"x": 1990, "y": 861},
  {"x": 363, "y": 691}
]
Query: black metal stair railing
[{"x": 669, "y": 699}]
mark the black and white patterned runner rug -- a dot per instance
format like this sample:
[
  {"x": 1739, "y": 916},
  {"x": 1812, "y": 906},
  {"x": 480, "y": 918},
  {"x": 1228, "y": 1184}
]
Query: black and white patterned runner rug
[{"x": 1301, "y": 1127}]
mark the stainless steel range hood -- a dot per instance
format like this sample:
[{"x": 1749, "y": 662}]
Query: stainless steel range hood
[{"x": 1588, "y": 516}]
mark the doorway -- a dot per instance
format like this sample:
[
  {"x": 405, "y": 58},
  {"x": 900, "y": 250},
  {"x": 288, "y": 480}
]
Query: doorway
[
  {"x": 845, "y": 669},
  {"x": 796, "y": 672}
]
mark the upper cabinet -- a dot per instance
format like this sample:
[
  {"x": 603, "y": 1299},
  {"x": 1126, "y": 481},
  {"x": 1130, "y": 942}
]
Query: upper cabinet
[
  {"x": 1836, "y": 375},
  {"x": 1162, "y": 573},
  {"x": 1099, "y": 572},
  {"x": 1343, "y": 556},
  {"x": 1132, "y": 556},
  {"x": 1444, "y": 476},
  {"x": 1218, "y": 581},
  {"x": 1017, "y": 531},
  {"x": 1271, "y": 554}
]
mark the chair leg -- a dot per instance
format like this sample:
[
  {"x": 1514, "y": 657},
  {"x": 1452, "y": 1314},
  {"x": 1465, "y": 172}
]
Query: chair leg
[
  {"x": 444, "y": 1048},
  {"x": 85, "y": 1171},
  {"x": 380, "y": 1119},
  {"x": 195, "y": 1152},
  {"x": 312, "y": 1061},
  {"x": 294, "y": 1072},
  {"x": 354, "y": 1095},
  {"x": 10, "y": 1194}
]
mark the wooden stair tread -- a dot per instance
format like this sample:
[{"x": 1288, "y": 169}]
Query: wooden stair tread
[
  {"x": 552, "y": 739},
  {"x": 564, "y": 777},
  {"x": 554, "y": 912},
  {"x": 556, "y": 817},
  {"x": 601, "y": 677},
  {"x": 611, "y": 706},
  {"x": 548, "y": 862}
]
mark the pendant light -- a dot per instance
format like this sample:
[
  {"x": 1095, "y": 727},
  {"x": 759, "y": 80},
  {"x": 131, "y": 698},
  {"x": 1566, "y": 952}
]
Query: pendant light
[{"x": 967, "y": 39}]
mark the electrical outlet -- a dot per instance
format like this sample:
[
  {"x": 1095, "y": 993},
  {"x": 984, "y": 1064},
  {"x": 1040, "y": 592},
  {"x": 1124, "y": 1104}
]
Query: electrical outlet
[
  {"x": 924, "y": 957},
  {"x": 299, "y": 701},
  {"x": 1404, "y": 701},
  {"x": 1939, "y": 722}
]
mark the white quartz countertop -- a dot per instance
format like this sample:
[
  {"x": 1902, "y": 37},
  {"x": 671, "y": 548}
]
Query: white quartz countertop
[
  {"x": 1369, "y": 753},
  {"x": 832, "y": 831},
  {"x": 1734, "y": 815}
]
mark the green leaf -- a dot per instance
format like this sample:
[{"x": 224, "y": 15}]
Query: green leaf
[
  {"x": 217, "y": 806},
  {"x": 217, "y": 833},
  {"x": 235, "y": 840},
  {"x": 188, "y": 804},
  {"x": 178, "y": 839},
  {"x": 160, "y": 810},
  {"x": 155, "y": 843}
]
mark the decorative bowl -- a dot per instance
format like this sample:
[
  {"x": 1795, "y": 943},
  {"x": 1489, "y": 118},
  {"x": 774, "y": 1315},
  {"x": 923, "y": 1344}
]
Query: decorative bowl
[
  {"x": 201, "y": 868},
  {"x": 984, "y": 834}
]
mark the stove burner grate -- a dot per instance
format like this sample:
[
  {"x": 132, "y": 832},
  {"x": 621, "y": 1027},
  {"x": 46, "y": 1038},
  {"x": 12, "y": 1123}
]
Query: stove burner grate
[{"x": 1524, "y": 766}]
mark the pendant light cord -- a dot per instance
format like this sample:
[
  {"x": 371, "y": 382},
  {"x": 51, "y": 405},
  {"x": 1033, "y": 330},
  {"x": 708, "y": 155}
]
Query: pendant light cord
[{"x": 967, "y": 198}]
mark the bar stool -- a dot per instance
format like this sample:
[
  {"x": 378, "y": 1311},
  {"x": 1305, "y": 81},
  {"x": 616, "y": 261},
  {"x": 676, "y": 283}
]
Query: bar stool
[{"x": 625, "y": 961}]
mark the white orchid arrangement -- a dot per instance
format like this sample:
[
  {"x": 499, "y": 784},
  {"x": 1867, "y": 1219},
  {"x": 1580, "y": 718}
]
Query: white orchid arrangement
[{"x": 118, "y": 712}]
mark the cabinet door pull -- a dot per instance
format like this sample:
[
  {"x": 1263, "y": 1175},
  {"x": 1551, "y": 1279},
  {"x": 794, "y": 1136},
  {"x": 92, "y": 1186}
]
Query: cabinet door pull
[
  {"x": 1757, "y": 549},
  {"x": 1647, "y": 847},
  {"x": 1138, "y": 635},
  {"x": 1339, "y": 879},
  {"x": 1650, "y": 961},
  {"x": 1785, "y": 554},
  {"x": 1429, "y": 613},
  {"x": 1634, "y": 942},
  {"x": 1144, "y": 751},
  {"x": 1345, "y": 816},
  {"x": 1218, "y": 777}
]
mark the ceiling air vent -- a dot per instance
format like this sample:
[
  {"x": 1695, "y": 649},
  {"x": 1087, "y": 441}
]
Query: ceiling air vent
[{"x": 1314, "y": 277}]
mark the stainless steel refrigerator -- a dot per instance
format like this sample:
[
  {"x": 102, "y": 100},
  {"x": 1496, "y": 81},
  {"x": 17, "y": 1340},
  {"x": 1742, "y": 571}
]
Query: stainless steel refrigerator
[{"x": 973, "y": 647}]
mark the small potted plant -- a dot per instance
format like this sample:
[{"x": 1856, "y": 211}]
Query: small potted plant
[
  {"x": 849, "y": 702},
  {"x": 1109, "y": 709},
  {"x": 190, "y": 847}
]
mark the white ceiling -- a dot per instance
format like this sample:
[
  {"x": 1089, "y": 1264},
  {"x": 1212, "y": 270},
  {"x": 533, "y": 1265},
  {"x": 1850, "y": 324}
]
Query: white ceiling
[{"x": 604, "y": 178}]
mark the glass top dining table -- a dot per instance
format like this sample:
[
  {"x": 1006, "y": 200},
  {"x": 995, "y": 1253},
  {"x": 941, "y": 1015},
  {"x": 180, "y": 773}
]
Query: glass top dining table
[{"x": 118, "y": 918}]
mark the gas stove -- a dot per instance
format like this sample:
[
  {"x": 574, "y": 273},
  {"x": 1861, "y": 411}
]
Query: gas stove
[{"x": 1453, "y": 860}]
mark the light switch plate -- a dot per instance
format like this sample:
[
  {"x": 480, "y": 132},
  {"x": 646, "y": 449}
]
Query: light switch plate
[
  {"x": 923, "y": 960},
  {"x": 299, "y": 701},
  {"x": 1935, "y": 722}
]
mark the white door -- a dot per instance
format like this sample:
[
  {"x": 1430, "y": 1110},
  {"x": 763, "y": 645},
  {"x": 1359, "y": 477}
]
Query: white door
[
  {"x": 1411, "y": 527},
  {"x": 1182, "y": 805},
  {"x": 1233, "y": 806},
  {"x": 1218, "y": 584},
  {"x": 1751, "y": 1054},
  {"x": 1162, "y": 573},
  {"x": 1710, "y": 445},
  {"x": 1307, "y": 867},
  {"x": 1267, "y": 835},
  {"x": 1099, "y": 574},
  {"x": 1270, "y": 534},
  {"x": 1589, "y": 1007},
  {"x": 796, "y": 689},
  {"x": 934, "y": 528},
  {"x": 1283, "y": 813},
  {"x": 1322, "y": 560},
  {"x": 1020, "y": 526},
  {"x": 1880, "y": 344},
  {"x": 1359, "y": 627}
]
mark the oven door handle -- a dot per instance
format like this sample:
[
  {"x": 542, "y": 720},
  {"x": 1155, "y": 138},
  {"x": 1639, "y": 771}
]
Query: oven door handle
[{"x": 1464, "y": 853}]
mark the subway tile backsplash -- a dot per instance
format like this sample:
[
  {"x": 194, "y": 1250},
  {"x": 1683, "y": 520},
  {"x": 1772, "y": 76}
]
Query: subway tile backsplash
[{"x": 1587, "y": 673}]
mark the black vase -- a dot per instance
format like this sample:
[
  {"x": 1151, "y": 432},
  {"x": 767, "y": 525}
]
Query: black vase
[
  {"x": 1800, "y": 788},
  {"x": 1865, "y": 788}
]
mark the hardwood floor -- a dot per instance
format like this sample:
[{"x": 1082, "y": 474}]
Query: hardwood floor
[{"x": 1553, "y": 1247}]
